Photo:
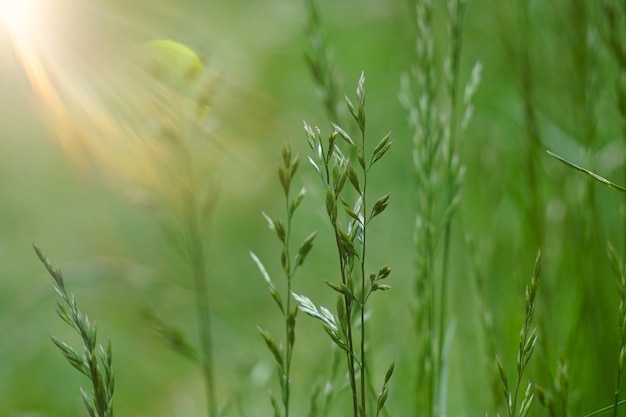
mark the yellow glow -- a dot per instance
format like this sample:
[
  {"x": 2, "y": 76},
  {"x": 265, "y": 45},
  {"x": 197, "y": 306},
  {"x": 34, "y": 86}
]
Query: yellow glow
[
  {"x": 19, "y": 15},
  {"x": 124, "y": 107}
]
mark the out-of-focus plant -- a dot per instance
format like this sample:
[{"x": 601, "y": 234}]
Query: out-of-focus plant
[
  {"x": 142, "y": 121},
  {"x": 165, "y": 130},
  {"x": 437, "y": 126}
]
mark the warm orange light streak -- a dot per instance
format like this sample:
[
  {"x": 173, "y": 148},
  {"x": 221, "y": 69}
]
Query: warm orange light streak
[
  {"x": 21, "y": 17},
  {"x": 36, "y": 72}
]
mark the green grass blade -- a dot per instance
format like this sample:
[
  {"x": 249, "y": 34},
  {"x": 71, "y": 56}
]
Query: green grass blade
[
  {"x": 586, "y": 171},
  {"x": 604, "y": 410}
]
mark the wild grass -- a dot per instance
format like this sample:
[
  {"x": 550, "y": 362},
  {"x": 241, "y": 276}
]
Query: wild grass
[
  {"x": 437, "y": 125},
  {"x": 347, "y": 327},
  {"x": 283, "y": 352},
  {"x": 95, "y": 362},
  {"x": 527, "y": 341},
  {"x": 451, "y": 186}
]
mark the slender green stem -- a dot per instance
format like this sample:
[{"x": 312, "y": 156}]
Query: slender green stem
[
  {"x": 347, "y": 301},
  {"x": 457, "y": 16},
  {"x": 527, "y": 84},
  {"x": 622, "y": 330},
  {"x": 350, "y": 353},
  {"x": 287, "y": 312},
  {"x": 363, "y": 295},
  {"x": 204, "y": 317},
  {"x": 199, "y": 272},
  {"x": 348, "y": 311},
  {"x": 617, "y": 385},
  {"x": 590, "y": 173},
  {"x": 606, "y": 409}
]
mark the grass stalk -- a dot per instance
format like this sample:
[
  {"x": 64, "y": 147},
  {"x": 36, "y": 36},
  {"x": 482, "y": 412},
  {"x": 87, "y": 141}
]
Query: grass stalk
[
  {"x": 320, "y": 63},
  {"x": 290, "y": 265},
  {"x": 336, "y": 170},
  {"x": 436, "y": 131},
  {"x": 197, "y": 258},
  {"x": 485, "y": 317},
  {"x": 619, "y": 269},
  {"x": 615, "y": 17},
  {"x": 605, "y": 410},
  {"x": 96, "y": 362},
  {"x": 527, "y": 342},
  {"x": 534, "y": 210},
  {"x": 593, "y": 175},
  {"x": 456, "y": 13}
]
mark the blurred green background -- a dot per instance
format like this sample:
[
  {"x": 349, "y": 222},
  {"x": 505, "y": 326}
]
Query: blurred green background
[{"x": 118, "y": 262}]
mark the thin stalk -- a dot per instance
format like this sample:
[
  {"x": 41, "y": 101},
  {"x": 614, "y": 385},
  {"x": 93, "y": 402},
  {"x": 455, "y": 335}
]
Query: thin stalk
[
  {"x": 456, "y": 39},
  {"x": 348, "y": 306},
  {"x": 197, "y": 260},
  {"x": 616, "y": 394},
  {"x": 623, "y": 131},
  {"x": 606, "y": 409},
  {"x": 432, "y": 384},
  {"x": 288, "y": 347},
  {"x": 532, "y": 129},
  {"x": 198, "y": 266},
  {"x": 428, "y": 273},
  {"x": 363, "y": 295},
  {"x": 622, "y": 330},
  {"x": 426, "y": 145},
  {"x": 350, "y": 353},
  {"x": 347, "y": 241},
  {"x": 290, "y": 273}
]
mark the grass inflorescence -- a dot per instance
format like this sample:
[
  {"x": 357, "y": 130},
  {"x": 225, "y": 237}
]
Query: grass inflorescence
[
  {"x": 96, "y": 361},
  {"x": 527, "y": 341},
  {"x": 355, "y": 285},
  {"x": 437, "y": 125},
  {"x": 283, "y": 352}
]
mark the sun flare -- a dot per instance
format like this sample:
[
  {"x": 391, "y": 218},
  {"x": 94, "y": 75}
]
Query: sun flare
[{"x": 19, "y": 15}]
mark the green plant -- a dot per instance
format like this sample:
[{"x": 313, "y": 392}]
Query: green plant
[
  {"x": 556, "y": 399},
  {"x": 618, "y": 269},
  {"x": 283, "y": 353},
  {"x": 336, "y": 170},
  {"x": 527, "y": 342},
  {"x": 183, "y": 191},
  {"x": 437, "y": 126},
  {"x": 96, "y": 362},
  {"x": 320, "y": 62},
  {"x": 151, "y": 147},
  {"x": 438, "y": 100},
  {"x": 534, "y": 207},
  {"x": 615, "y": 18}
]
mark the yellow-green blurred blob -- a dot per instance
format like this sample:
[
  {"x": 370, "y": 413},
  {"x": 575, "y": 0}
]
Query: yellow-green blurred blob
[
  {"x": 179, "y": 67},
  {"x": 171, "y": 61}
]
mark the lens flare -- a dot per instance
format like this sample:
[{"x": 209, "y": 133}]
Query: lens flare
[
  {"x": 124, "y": 106},
  {"x": 19, "y": 16}
]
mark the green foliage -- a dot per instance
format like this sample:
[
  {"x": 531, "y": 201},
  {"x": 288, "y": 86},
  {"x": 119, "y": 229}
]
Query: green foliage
[{"x": 553, "y": 78}]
